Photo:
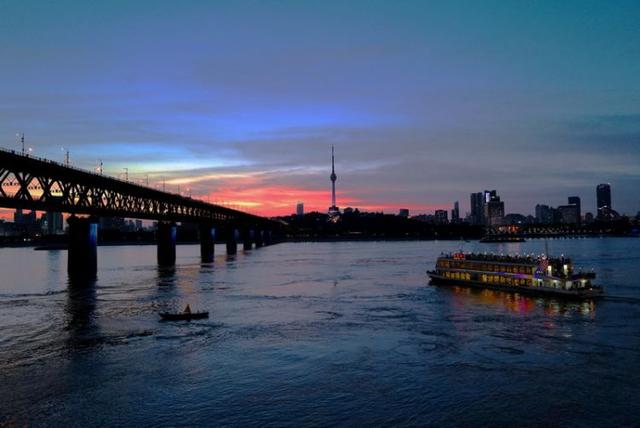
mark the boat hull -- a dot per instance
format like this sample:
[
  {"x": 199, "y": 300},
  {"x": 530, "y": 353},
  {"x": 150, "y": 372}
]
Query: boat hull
[
  {"x": 183, "y": 317},
  {"x": 437, "y": 279},
  {"x": 500, "y": 240}
]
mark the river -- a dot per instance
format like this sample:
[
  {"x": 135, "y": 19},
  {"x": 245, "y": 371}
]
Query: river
[{"x": 315, "y": 334}]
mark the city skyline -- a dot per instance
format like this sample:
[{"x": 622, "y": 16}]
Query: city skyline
[
  {"x": 424, "y": 102},
  {"x": 479, "y": 201},
  {"x": 484, "y": 208}
]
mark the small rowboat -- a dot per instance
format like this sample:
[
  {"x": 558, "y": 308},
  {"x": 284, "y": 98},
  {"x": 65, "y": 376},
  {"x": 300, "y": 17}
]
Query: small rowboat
[{"x": 187, "y": 315}]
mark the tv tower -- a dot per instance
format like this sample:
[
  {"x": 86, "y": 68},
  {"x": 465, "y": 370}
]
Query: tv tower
[{"x": 333, "y": 209}]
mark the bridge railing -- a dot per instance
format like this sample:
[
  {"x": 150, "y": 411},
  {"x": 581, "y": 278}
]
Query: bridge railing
[{"x": 83, "y": 170}]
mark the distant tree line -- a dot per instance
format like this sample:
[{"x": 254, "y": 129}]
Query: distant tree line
[{"x": 356, "y": 225}]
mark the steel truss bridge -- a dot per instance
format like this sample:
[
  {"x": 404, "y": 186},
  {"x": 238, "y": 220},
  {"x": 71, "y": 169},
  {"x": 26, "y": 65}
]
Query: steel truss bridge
[{"x": 32, "y": 183}]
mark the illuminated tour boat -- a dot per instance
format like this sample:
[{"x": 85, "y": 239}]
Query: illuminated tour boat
[{"x": 536, "y": 275}]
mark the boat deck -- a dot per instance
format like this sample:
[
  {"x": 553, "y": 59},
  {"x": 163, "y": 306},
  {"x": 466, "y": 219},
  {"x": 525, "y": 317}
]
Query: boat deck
[{"x": 595, "y": 293}]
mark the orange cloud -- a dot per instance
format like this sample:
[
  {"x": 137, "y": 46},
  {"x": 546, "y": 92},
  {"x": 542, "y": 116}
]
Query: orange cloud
[
  {"x": 275, "y": 200},
  {"x": 270, "y": 200},
  {"x": 282, "y": 200}
]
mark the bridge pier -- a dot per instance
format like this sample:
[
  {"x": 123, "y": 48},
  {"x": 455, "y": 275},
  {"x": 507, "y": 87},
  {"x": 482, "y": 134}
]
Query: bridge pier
[
  {"x": 232, "y": 240},
  {"x": 82, "y": 257},
  {"x": 207, "y": 242},
  {"x": 267, "y": 237},
  {"x": 247, "y": 239},
  {"x": 259, "y": 238},
  {"x": 166, "y": 239}
]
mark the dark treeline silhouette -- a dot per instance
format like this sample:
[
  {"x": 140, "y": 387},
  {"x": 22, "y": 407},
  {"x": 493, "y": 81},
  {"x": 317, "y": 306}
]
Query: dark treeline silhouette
[{"x": 356, "y": 225}]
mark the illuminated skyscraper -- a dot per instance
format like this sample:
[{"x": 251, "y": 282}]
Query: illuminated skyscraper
[
  {"x": 493, "y": 208},
  {"x": 569, "y": 214},
  {"x": 603, "y": 196}
]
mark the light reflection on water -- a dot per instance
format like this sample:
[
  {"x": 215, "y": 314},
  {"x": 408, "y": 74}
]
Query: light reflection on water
[
  {"x": 520, "y": 303},
  {"x": 324, "y": 333}
]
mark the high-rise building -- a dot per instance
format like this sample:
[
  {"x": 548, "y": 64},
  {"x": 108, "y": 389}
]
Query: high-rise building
[
  {"x": 489, "y": 195},
  {"x": 493, "y": 209},
  {"x": 404, "y": 212},
  {"x": 55, "y": 223},
  {"x": 575, "y": 200},
  {"x": 441, "y": 217},
  {"x": 603, "y": 197},
  {"x": 544, "y": 214},
  {"x": 333, "y": 209},
  {"x": 112, "y": 223},
  {"x": 477, "y": 208},
  {"x": 300, "y": 209},
  {"x": 27, "y": 219},
  {"x": 27, "y": 222},
  {"x": 455, "y": 213},
  {"x": 569, "y": 214},
  {"x": 494, "y": 213}
]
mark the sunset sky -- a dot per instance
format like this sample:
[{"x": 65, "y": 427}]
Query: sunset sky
[{"x": 425, "y": 102}]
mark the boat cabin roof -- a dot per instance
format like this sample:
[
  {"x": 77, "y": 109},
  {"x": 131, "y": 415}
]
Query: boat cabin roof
[{"x": 501, "y": 258}]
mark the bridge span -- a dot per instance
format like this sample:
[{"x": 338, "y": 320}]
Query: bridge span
[{"x": 33, "y": 183}]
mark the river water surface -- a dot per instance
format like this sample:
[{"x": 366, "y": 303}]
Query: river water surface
[{"x": 314, "y": 334}]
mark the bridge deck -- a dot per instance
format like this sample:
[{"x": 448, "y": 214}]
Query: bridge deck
[{"x": 38, "y": 184}]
